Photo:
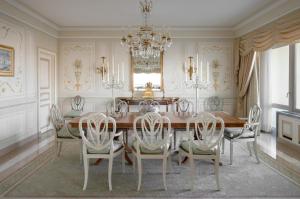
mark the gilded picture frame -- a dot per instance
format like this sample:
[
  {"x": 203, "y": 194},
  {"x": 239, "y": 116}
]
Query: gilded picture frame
[
  {"x": 7, "y": 61},
  {"x": 133, "y": 66}
]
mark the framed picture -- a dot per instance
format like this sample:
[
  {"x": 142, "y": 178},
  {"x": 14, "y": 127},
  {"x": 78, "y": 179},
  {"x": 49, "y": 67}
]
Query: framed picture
[{"x": 7, "y": 60}]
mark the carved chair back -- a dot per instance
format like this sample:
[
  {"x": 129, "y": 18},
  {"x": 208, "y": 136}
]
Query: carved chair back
[
  {"x": 149, "y": 106},
  {"x": 98, "y": 136},
  {"x": 182, "y": 105},
  {"x": 204, "y": 135},
  {"x": 57, "y": 117},
  {"x": 213, "y": 103},
  {"x": 152, "y": 135},
  {"x": 77, "y": 103}
]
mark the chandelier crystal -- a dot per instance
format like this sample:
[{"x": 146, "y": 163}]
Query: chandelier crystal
[{"x": 146, "y": 42}]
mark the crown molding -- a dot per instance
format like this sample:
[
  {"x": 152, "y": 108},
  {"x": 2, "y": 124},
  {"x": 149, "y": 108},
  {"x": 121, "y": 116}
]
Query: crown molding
[
  {"x": 13, "y": 9},
  {"x": 118, "y": 32},
  {"x": 24, "y": 14},
  {"x": 265, "y": 16}
]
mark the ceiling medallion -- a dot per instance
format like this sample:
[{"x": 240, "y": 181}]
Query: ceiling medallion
[{"x": 146, "y": 43}]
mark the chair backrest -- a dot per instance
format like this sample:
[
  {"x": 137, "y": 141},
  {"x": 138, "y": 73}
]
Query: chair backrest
[
  {"x": 97, "y": 135},
  {"x": 149, "y": 106},
  {"x": 57, "y": 117},
  {"x": 121, "y": 106},
  {"x": 152, "y": 136},
  {"x": 254, "y": 118},
  {"x": 205, "y": 134},
  {"x": 213, "y": 103},
  {"x": 183, "y": 105},
  {"x": 77, "y": 103}
]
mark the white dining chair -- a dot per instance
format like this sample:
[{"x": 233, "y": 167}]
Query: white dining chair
[
  {"x": 63, "y": 132},
  {"x": 181, "y": 106},
  {"x": 203, "y": 142},
  {"x": 98, "y": 142},
  {"x": 213, "y": 103},
  {"x": 247, "y": 134},
  {"x": 153, "y": 144},
  {"x": 149, "y": 106}
]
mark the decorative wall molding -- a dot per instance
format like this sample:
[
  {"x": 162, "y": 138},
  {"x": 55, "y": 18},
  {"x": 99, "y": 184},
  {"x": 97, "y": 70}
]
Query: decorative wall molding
[
  {"x": 14, "y": 36},
  {"x": 84, "y": 51}
]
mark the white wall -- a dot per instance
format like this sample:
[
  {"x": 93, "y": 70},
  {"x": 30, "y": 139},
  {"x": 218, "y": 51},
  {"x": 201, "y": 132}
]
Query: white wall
[
  {"x": 90, "y": 51},
  {"x": 18, "y": 94}
]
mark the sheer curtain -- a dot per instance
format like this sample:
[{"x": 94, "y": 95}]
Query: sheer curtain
[{"x": 265, "y": 91}]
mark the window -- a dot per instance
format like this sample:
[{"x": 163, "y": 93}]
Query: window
[
  {"x": 297, "y": 76},
  {"x": 279, "y": 75}
]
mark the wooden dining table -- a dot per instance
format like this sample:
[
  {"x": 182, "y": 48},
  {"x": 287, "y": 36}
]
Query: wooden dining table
[{"x": 178, "y": 121}]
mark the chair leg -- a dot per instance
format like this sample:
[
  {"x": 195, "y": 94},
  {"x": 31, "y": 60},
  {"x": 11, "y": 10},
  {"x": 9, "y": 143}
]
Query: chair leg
[
  {"x": 59, "y": 148},
  {"x": 110, "y": 165},
  {"x": 255, "y": 151},
  {"x": 139, "y": 164},
  {"x": 249, "y": 148},
  {"x": 134, "y": 164},
  {"x": 231, "y": 151},
  {"x": 192, "y": 172},
  {"x": 164, "y": 172},
  {"x": 170, "y": 163},
  {"x": 223, "y": 145},
  {"x": 217, "y": 171},
  {"x": 123, "y": 161},
  {"x": 179, "y": 158},
  {"x": 174, "y": 139},
  {"x": 86, "y": 171}
]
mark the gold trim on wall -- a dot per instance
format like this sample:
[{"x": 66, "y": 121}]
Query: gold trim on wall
[
  {"x": 161, "y": 72},
  {"x": 11, "y": 71}
]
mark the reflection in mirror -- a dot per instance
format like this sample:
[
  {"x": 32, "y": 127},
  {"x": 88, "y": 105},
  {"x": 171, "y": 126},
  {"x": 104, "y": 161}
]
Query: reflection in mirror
[{"x": 147, "y": 70}]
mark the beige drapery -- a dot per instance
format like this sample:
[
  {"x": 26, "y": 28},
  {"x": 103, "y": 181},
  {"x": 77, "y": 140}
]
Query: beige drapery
[{"x": 283, "y": 31}]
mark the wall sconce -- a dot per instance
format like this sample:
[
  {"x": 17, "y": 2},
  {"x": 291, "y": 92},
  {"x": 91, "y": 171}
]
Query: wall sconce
[
  {"x": 78, "y": 66},
  {"x": 190, "y": 68},
  {"x": 102, "y": 69}
]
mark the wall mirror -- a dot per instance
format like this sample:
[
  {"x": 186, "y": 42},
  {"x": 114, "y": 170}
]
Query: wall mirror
[{"x": 147, "y": 70}]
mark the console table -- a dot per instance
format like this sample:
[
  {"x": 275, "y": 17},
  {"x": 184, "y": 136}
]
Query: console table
[{"x": 161, "y": 100}]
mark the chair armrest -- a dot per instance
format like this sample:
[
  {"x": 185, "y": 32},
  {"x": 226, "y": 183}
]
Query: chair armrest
[{"x": 118, "y": 134}]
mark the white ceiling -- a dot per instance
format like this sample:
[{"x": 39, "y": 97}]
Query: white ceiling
[{"x": 177, "y": 13}]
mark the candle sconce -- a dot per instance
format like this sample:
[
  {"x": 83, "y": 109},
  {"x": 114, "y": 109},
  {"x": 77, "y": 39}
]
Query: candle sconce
[
  {"x": 191, "y": 69},
  {"x": 102, "y": 69},
  {"x": 77, "y": 68}
]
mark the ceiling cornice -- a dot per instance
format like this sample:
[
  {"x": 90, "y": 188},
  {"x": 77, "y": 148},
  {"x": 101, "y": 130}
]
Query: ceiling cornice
[
  {"x": 265, "y": 16},
  {"x": 39, "y": 22}
]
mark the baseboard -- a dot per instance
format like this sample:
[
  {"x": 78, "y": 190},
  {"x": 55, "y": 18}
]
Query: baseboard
[{"x": 29, "y": 140}]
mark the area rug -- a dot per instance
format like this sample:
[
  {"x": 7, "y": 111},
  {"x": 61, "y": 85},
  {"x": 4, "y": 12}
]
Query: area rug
[{"x": 49, "y": 176}]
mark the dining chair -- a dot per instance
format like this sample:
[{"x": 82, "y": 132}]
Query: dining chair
[
  {"x": 153, "y": 144},
  {"x": 203, "y": 142},
  {"x": 246, "y": 134},
  {"x": 63, "y": 132},
  {"x": 77, "y": 103},
  {"x": 213, "y": 103},
  {"x": 181, "y": 106},
  {"x": 98, "y": 142},
  {"x": 149, "y": 106}
]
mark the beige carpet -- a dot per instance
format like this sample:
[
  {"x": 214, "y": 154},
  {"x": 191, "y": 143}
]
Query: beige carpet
[{"x": 48, "y": 176}]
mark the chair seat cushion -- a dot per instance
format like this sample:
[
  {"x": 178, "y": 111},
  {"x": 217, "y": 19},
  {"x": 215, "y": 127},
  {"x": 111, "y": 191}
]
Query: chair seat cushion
[
  {"x": 116, "y": 147},
  {"x": 231, "y": 133},
  {"x": 65, "y": 133},
  {"x": 73, "y": 114},
  {"x": 145, "y": 150},
  {"x": 184, "y": 145}
]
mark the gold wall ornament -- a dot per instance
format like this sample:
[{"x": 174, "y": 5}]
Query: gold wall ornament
[
  {"x": 77, "y": 68},
  {"x": 102, "y": 69},
  {"x": 148, "y": 93},
  {"x": 191, "y": 68}
]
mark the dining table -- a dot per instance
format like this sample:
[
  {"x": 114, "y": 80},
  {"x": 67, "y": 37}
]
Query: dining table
[{"x": 178, "y": 120}]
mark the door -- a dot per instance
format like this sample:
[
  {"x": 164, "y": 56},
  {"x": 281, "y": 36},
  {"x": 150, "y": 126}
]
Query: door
[{"x": 46, "y": 87}]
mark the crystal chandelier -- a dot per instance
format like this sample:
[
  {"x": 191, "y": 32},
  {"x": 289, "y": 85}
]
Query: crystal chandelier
[{"x": 146, "y": 43}]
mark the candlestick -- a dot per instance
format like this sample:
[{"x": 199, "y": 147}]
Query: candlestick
[
  {"x": 118, "y": 72},
  {"x": 123, "y": 72},
  {"x": 107, "y": 72},
  {"x": 197, "y": 64},
  {"x": 207, "y": 72},
  {"x": 113, "y": 66},
  {"x": 201, "y": 70}
]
